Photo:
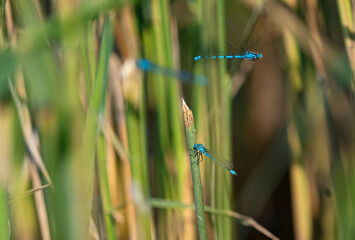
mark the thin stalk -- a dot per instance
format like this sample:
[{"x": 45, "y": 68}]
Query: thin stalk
[
  {"x": 169, "y": 120},
  {"x": 83, "y": 184},
  {"x": 223, "y": 137},
  {"x": 88, "y": 57},
  {"x": 4, "y": 225},
  {"x": 195, "y": 171},
  {"x": 244, "y": 220},
  {"x": 137, "y": 142},
  {"x": 136, "y": 129},
  {"x": 346, "y": 11},
  {"x": 104, "y": 187},
  {"x": 298, "y": 179},
  {"x": 119, "y": 142}
]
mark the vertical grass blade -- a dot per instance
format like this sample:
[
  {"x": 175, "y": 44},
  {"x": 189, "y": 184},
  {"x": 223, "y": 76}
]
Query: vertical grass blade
[
  {"x": 140, "y": 171},
  {"x": 137, "y": 143},
  {"x": 217, "y": 100},
  {"x": 4, "y": 218},
  {"x": 223, "y": 137},
  {"x": 104, "y": 188},
  {"x": 195, "y": 171},
  {"x": 302, "y": 220},
  {"x": 298, "y": 179},
  {"x": 83, "y": 185},
  {"x": 129, "y": 228},
  {"x": 167, "y": 93},
  {"x": 346, "y": 12}
]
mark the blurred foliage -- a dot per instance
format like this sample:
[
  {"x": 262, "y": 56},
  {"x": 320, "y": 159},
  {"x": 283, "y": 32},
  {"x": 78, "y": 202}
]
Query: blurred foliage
[{"x": 93, "y": 147}]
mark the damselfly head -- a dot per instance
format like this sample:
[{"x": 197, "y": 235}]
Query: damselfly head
[
  {"x": 259, "y": 56},
  {"x": 198, "y": 145},
  {"x": 252, "y": 56},
  {"x": 144, "y": 64}
]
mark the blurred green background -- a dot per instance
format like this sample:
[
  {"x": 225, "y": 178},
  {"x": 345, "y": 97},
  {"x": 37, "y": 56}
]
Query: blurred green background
[{"x": 92, "y": 147}]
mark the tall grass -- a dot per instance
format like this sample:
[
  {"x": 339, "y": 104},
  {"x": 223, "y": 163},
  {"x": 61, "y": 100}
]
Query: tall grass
[{"x": 92, "y": 147}]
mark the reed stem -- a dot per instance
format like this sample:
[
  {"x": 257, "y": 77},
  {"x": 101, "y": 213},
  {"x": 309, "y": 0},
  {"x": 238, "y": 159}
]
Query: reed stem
[{"x": 195, "y": 171}]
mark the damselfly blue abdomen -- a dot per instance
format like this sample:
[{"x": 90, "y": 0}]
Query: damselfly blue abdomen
[{"x": 250, "y": 56}]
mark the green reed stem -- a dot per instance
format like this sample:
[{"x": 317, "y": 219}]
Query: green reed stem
[
  {"x": 104, "y": 187},
  {"x": 195, "y": 171},
  {"x": 3, "y": 213},
  {"x": 83, "y": 185}
]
